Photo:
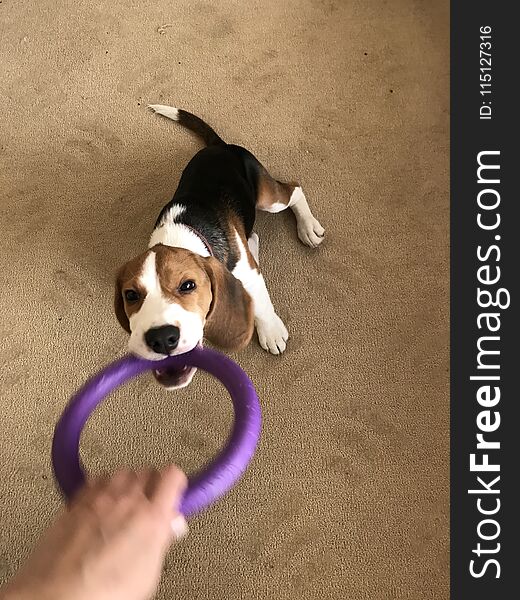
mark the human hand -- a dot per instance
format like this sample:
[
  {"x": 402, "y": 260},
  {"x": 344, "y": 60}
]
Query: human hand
[{"x": 110, "y": 543}]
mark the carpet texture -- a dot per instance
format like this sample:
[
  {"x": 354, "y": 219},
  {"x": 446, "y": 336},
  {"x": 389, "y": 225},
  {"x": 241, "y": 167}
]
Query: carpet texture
[{"x": 347, "y": 496}]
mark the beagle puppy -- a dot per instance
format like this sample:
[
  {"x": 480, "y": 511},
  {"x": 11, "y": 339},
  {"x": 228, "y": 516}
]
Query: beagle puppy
[{"x": 200, "y": 276}]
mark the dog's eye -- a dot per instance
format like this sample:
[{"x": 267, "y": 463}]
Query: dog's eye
[
  {"x": 131, "y": 296},
  {"x": 187, "y": 286}
]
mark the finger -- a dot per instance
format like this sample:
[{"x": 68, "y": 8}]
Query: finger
[
  {"x": 90, "y": 489},
  {"x": 153, "y": 477},
  {"x": 105, "y": 494},
  {"x": 179, "y": 528},
  {"x": 123, "y": 483},
  {"x": 168, "y": 490},
  {"x": 144, "y": 478}
]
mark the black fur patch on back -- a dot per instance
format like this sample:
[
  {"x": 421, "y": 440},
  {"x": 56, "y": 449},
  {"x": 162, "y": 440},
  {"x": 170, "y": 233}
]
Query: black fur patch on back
[{"x": 219, "y": 184}]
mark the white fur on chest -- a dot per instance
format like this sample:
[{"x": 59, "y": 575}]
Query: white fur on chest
[{"x": 177, "y": 235}]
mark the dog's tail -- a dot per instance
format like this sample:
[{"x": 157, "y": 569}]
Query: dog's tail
[{"x": 191, "y": 122}]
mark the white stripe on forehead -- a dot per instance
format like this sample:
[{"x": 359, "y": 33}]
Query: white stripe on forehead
[
  {"x": 148, "y": 278},
  {"x": 159, "y": 311}
]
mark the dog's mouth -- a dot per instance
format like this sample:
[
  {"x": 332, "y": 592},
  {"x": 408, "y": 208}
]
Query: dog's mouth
[{"x": 174, "y": 377}]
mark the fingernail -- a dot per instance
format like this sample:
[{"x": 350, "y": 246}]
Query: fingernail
[{"x": 179, "y": 527}]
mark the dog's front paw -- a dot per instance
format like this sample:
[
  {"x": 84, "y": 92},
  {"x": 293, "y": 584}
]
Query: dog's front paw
[
  {"x": 272, "y": 334},
  {"x": 310, "y": 232}
]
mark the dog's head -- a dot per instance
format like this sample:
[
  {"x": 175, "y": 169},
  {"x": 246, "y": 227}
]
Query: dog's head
[{"x": 168, "y": 299}]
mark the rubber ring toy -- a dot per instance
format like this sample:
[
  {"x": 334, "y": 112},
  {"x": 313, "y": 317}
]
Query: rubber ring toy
[{"x": 207, "y": 486}]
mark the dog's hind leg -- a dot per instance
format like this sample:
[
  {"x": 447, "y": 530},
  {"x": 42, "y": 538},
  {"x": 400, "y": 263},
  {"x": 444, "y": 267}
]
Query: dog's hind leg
[{"x": 275, "y": 196}]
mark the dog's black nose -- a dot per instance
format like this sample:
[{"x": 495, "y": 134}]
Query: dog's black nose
[{"x": 162, "y": 339}]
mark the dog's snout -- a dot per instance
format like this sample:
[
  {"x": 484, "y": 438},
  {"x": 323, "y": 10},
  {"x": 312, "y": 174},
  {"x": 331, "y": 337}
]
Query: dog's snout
[{"x": 162, "y": 340}]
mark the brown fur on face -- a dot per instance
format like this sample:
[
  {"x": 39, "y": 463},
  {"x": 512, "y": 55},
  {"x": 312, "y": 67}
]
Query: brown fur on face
[
  {"x": 177, "y": 265},
  {"x": 128, "y": 278},
  {"x": 219, "y": 298}
]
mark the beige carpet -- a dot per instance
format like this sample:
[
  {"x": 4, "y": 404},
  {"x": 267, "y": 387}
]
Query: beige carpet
[{"x": 347, "y": 496}]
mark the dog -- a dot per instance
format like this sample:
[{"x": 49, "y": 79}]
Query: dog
[{"x": 200, "y": 275}]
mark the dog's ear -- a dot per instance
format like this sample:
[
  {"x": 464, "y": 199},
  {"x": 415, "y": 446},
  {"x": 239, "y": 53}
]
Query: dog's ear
[
  {"x": 119, "y": 306},
  {"x": 230, "y": 321}
]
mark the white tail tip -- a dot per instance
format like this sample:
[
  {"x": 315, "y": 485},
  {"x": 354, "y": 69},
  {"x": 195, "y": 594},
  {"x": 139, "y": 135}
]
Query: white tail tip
[{"x": 169, "y": 112}]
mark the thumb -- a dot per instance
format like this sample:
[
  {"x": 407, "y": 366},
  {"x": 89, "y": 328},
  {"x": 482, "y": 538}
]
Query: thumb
[{"x": 166, "y": 496}]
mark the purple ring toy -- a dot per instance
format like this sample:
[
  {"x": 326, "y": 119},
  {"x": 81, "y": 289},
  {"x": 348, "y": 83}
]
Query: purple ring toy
[{"x": 213, "y": 481}]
